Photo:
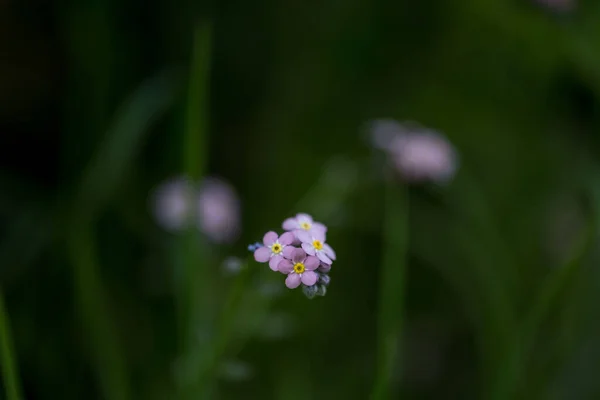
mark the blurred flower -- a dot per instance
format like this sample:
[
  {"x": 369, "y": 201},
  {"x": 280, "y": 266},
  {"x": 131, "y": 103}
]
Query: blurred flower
[
  {"x": 418, "y": 154},
  {"x": 254, "y": 246},
  {"x": 232, "y": 265},
  {"x": 324, "y": 279},
  {"x": 218, "y": 210},
  {"x": 310, "y": 291},
  {"x": 300, "y": 269},
  {"x": 314, "y": 244},
  {"x": 321, "y": 290},
  {"x": 383, "y": 132},
  {"x": 172, "y": 204},
  {"x": 274, "y": 248},
  {"x": 214, "y": 207},
  {"x": 303, "y": 222}
]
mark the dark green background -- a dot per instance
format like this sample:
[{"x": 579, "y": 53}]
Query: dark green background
[{"x": 513, "y": 85}]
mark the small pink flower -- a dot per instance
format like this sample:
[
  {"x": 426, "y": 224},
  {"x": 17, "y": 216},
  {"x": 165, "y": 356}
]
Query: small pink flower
[
  {"x": 300, "y": 268},
  {"x": 276, "y": 247},
  {"x": 303, "y": 222},
  {"x": 314, "y": 244}
]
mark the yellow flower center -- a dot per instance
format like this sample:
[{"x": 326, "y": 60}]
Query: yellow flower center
[
  {"x": 317, "y": 245},
  {"x": 298, "y": 268},
  {"x": 305, "y": 226},
  {"x": 276, "y": 248}
]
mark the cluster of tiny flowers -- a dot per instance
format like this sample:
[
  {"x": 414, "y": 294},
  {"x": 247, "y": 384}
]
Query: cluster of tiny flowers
[
  {"x": 300, "y": 253},
  {"x": 417, "y": 153}
]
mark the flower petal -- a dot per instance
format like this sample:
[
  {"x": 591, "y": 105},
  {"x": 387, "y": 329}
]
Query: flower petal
[
  {"x": 269, "y": 238},
  {"x": 287, "y": 238},
  {"x": 274, "y": 262},
  {"x": 303, "y": 236},
  {"x": 285, "y": 266},
  {"x": 290, "y": 224},
  {"x": 317, "y": 226},
  {"x": 298, "y": 255},
  {"x": 308, "y": 248},
  {"x": 323, "y": 257},
  {"x": 304, "y": 218},
  {"x": 262, "y": 254},
  {"x": 318, "y": 235},
  {"x": 311, "y": 263},
  {"x": 329, "y": 251},
  {"x": 292, "y": 281},
  {"x": 309, "y": 278},
  {"x": 324, "y": 267},
  {"x": 288, "y": 252}
]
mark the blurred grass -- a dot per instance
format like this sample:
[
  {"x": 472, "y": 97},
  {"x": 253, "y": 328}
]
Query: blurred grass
[
  {"x": 10, "y": 377},
  {"x": 390, "y": 312},
  {"x": 513, "y": 85},
  {"x": 197, "y": 316}
]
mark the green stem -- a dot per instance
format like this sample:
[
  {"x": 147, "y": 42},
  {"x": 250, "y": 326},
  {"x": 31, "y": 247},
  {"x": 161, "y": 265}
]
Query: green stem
[
  {"x": 196, "y": 138},
  {"x": 195, "y": 279},
  {"x": 9, "y": 362},
  {"x": 222, "y": 335},
  {"x": 110, "y": 362},
  {"x": 195, "y": 155},
  {"x": 391, "y": 289}
]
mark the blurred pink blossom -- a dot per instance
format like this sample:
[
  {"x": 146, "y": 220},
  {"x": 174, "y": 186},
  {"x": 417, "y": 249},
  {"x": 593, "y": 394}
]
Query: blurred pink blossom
[
  {"x": 218, "y": 210},
  {"x": 172, "y": 204},
  {"x": 214, "y": 207},
  {"x": 418, "y": 154}
]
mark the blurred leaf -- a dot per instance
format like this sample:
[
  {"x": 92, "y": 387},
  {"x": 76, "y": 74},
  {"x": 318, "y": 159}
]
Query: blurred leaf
[
  {"x": 123, "y": 140},
  {"x": 110, "y": 363}
]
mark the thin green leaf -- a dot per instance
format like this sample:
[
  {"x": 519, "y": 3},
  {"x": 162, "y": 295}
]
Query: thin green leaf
[
  {"x": 390, "y": 312},
  {"x": 10, "y": 377}
]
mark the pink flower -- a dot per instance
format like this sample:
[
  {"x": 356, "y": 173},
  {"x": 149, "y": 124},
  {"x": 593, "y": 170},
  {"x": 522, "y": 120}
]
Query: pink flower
[
  {"x": 218, "y": 210},
  {"x": 314, "y": 244},
  {"x": 275, "y": 248},
  {"x": 214, "y": 207},
  {"x": 303, "y": 222},
  {"x": 172, "y": 204},
  {"x": 300, "y": 269},
  {"x": 418, "y": 154}
]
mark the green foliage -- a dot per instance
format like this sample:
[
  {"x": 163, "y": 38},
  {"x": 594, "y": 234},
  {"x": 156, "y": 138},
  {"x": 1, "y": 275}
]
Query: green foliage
[{"x": 486, "y": 288}]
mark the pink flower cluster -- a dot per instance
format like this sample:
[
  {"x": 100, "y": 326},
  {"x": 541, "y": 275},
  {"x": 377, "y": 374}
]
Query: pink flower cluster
[{"x": 301, "y": 253}]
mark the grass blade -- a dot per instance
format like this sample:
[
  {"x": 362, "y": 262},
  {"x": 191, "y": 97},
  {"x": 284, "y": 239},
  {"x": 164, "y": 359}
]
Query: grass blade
[
  {"x": 9, "y": 361},
  {"x": 391, "y": 290}
]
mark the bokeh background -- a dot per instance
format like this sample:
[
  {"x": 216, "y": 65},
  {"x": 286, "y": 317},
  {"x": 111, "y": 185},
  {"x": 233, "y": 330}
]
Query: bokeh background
[{"x": 102, "y": 101}]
